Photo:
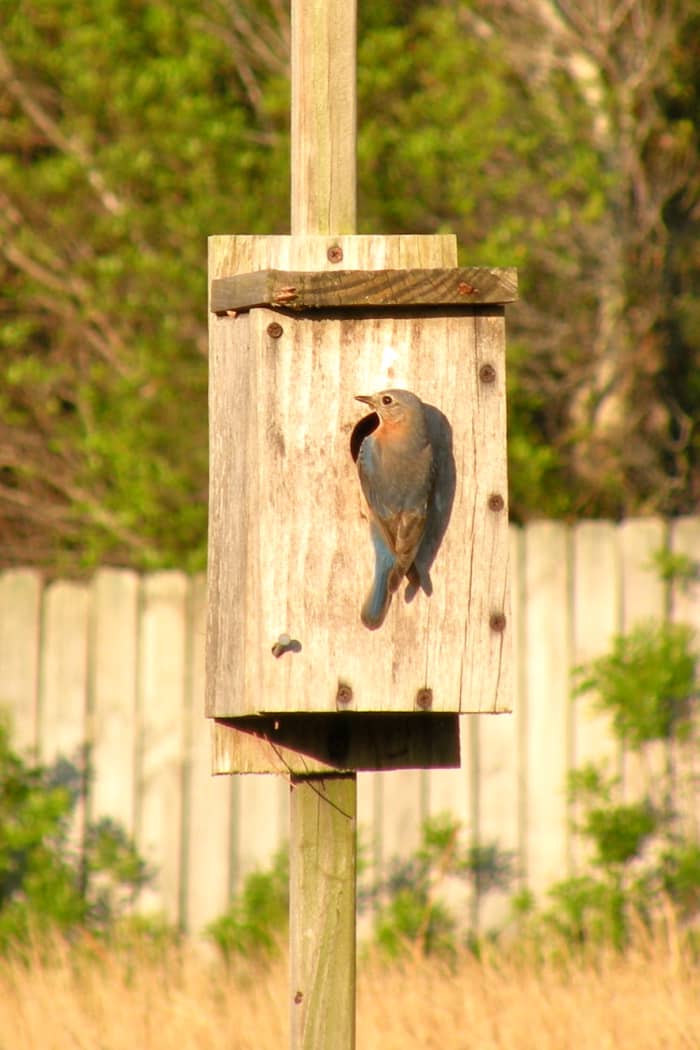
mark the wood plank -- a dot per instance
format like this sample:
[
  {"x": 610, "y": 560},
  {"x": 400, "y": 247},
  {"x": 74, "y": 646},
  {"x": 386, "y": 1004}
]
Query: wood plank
[
  {"x": 234, "y": 749},
  {"x": 309, "y": 583},
  {"x": 323, "y": 867},
  {"x": 161, "y": 691},
  {"x": 323, "y": 116},
  {"x": 207, "y": 802},
  {"x": 20, "y": 621},
  {"x": 64, "y": 672},
  {"x": 403, "y": 812},
  {"x": 261, "y": 823},
  {"x": 497, "y": 787},
  {"x": 63, "y": 690},
  {"x": 547, "y": 637},
  {"x": 644, "y": 599},
  {"x": 454, "y": 793},
  {"x": 247, "y": 253},
  {"x": 596, "y": 613},
  {"x": 685, "y": 608},
  {"x": 115, "y": 600},
  {"x": 360, "y": 289},
  {"x": 317, "y": 743}
]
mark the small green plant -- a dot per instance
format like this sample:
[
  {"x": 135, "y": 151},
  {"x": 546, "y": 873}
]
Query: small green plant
[
  {"x": 412, "y": 914},
  {"x": 47, "y": 880},
  {"x": 256, "y": 921},
  {"x": 647, "y": 685},
  {"x": 675, "y": 567}
]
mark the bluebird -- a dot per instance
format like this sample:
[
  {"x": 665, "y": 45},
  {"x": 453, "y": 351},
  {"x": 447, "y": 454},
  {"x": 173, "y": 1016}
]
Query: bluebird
[{"x": 395, "y": 464}]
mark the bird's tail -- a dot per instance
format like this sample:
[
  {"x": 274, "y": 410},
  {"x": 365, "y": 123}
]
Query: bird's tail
[{"x": 386, "y": 580}]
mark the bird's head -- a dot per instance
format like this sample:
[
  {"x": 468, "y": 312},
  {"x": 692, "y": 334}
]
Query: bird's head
[{"x": 394, "y": 407}]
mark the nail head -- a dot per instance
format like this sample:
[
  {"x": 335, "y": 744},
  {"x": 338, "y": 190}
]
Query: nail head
[
  {"x": 274, "y": 330},
  {"x": 487, "y": 374},
  {"x": 424, "y": 699},
  {"x": 344, "y": 696}
]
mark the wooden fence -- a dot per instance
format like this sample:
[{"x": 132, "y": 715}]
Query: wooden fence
[{"x": 117, "y": 663}]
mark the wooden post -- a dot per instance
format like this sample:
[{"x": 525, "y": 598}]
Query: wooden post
[
  {"x": 323, "y": 818},
  {"x": 322, "y": 919}
]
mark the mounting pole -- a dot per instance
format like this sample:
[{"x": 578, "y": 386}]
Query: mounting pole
[{"x": 323, "y": 852}]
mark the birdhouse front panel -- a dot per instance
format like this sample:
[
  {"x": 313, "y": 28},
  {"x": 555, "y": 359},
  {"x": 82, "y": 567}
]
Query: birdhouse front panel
[{"x": 358, "y": 555}]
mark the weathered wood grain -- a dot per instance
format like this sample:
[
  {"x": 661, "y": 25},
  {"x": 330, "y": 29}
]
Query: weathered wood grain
[
  {"x": 305, "y": 290},
  {"x": 324, "y": 116},
  {"x": 322, "y": 871},
  {"x": 289, "y": 551}
]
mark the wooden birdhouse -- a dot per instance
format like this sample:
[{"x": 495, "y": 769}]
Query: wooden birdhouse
[{"x": 299, "y": 326}]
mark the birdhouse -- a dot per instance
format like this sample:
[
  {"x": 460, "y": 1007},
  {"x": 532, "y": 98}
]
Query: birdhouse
[{"x": 299, "y": 327}]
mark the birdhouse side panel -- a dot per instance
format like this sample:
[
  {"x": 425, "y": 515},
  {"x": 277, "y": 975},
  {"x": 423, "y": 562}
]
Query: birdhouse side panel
[{"x": 303, "y": 559}]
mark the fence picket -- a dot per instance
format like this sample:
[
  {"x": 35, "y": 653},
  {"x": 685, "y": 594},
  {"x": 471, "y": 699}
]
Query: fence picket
[
  {"x": 208, "y": 817},
  {"x": 20, "y": 605},
  {"x": 161, "y": 711},
  {"x": 644, "y": 598},
  {"x": 118, "y": 664},
  {"x": 115, "y": 598},
  {"x": 546, "y": 702}
]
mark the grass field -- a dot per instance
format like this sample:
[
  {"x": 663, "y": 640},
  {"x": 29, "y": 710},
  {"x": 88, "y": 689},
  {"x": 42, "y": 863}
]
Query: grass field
[{"x": 183, "y": 1000}]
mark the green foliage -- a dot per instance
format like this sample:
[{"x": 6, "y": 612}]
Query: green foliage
[
  {"x": 637, "y": 850},
  {"x": 674, "y": 567},
  {"x": 129, "y": 131},
  {"x": 412, "y": 916},
  {"x": 645, "y": 683},
  {"x": 257, "y": 919},
  {"x": 44, "y": 883}
]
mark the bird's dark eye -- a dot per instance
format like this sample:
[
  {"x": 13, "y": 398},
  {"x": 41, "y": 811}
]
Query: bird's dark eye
[{"x": 386, "y": 400}]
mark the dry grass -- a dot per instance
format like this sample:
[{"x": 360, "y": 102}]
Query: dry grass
[{"x": 648, "y": 1000}]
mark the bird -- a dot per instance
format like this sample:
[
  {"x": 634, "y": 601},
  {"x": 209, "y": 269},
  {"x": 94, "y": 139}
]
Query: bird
[{"x": 395, "y": 464}]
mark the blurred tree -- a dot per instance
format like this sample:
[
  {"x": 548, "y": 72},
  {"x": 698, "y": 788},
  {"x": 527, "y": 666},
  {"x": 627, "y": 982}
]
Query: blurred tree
[
  {"x": 128, "y": 132},
  {"x": 560, "y": 138}
]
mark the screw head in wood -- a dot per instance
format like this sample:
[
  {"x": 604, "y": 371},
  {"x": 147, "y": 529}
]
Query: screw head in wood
[
  {"x": 343, "y": 697},
  {"x": 487, "y": 374},
  {"x": 275, "y": 330},
  {"x": 496, "y": 501},
  {"x": 497, "y": 622},
  {"x": 464, "y": 288},
  {"x": 335, "y": 253},
  {"x": 424, "y": 699}
]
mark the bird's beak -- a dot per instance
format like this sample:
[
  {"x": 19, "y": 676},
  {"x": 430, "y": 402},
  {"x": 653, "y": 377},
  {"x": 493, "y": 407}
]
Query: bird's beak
[{"x": 367, "y": 398}]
